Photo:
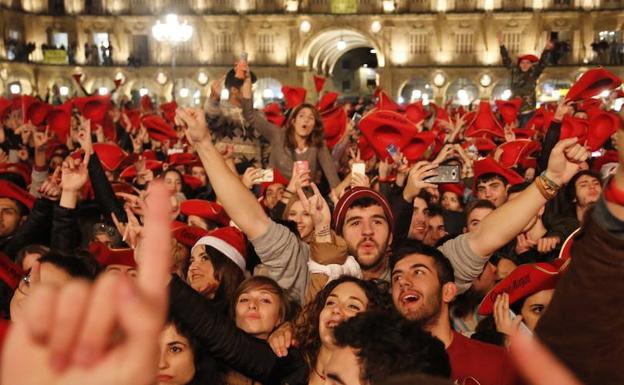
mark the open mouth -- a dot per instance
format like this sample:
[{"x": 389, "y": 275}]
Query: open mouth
[{"x": 410, "y": 298}]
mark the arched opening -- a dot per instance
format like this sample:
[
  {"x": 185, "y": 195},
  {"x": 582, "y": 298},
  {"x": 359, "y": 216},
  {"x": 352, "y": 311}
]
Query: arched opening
[
  {"x": 267, "y": 90},
  {"x": 502, "y": 90},
  {"x": 462, "y": 92},
  {"x": 416, "y": 89}
]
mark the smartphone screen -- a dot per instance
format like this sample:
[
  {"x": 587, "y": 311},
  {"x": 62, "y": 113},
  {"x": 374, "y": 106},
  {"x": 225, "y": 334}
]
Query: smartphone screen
[{"x": 358, "y": 168}]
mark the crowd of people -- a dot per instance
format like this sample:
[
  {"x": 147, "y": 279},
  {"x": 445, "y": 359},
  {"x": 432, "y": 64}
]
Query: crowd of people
[{"x": 314, "y": 243}]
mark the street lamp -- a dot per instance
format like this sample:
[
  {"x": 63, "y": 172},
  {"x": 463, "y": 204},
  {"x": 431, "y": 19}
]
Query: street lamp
[{"x": 172, "y": 32}]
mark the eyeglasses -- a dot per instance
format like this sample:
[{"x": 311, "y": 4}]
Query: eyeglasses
[{"x": 24, "y": 285}]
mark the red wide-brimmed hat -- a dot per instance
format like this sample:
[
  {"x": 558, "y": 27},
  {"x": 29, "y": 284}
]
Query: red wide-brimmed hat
[
  {"x": 14, "y": 192},
  {"x": 572, "y": 127},
  {"x": 168, "y": 111},
  {"x": 366, "y": 151},
  {"x": 34, "y": 110},
  {"x": 334, "y": 125},
  {"x": 294, "y": 96},
  {"x": 111, "y": 155},
  {"x": 59, "y": 120},
  {"x": 385, "y": 102},
  {"x": 192, "y": 181},
  {"x": 383, "y": 127},
  {"x": 327, "y": 101},
  {"x": 485, "y": 123},
  {"x": 131, "y": 171},
  {"x": 610, "y": 156},
  {"x": 530, "y": 57},
  {"x": 483, "y": 144},
  {"x": 508, "y": 109},
  {"x": 416, "y": 148},
  {"x": 134, "y": 116},
  {"x": 455, "y": 188},
  {"x": 183, "y": 159},
  {"x": 514, "y": 152},
  {"x": 274, "y": 114},
  {"x": 94, "y": 108},
  {"x": 158, "y": 128},
  {"x": 22, "y": 169},
  {"x": 187, "y": 235},
  {"x": 592, "y": 83},
  {"x": 108, "y": 257},
  {"x": 146, "y": 104},
  {"x": 602, "y": 124},
  {"x": 319, "y": 82},
  {"x": 415, "y": 112},
  {"x": 208, "y": 210},
  {"x": 523, "y": 282},
  {"x": 541, "y": 120},
  {"x": 490, "y": 166}
]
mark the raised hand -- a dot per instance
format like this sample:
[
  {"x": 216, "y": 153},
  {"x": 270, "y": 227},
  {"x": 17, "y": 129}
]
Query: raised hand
[
  {"x": 41, "y": 138},
  {"x": 216, "y": 87},
  {"x": 74, "y": 173},
  {"x": 565, "y": 159},
  {"x": 194, "y": 121},
  {"x": 251, "y": 176},
  {"x": 502, "y": 318},
  {"x": 282, "y": 338},
  {"x": 98, "y": 334},
  {"x": 317, "y": 207},
  {"x": 83, "y": 135},
  {"x": 416, "y": 179},
  {"x": 51, "y": 189}
]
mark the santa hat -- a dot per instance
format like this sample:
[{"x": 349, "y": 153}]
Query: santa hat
[
  {"x": 294, "y": 96},
  {"x": 211, "y": 211},
  {"x": 108, "y": 257},
  {"x": 354, "y": 194},
  {"x": 592, "y": 83},
  {"x": 334, "y": 125},
  {"x": 523, "y": 282},
  {"x": 508, "y": 109},
  {"x": 229, "y": 241},
  {"x": 14, "y": 192},
  {"x": 485, "y": 123}
]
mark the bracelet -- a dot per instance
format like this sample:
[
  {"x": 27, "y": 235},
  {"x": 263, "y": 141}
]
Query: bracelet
[
  {"x": 549, "y": 182},
  {"x": 613, "y": 194},
  {"x": 547, "y": 192}
]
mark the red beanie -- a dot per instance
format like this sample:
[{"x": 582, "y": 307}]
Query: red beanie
[
  {"x": 228, "y": 240},
  {"x": 350, "y": 196}
]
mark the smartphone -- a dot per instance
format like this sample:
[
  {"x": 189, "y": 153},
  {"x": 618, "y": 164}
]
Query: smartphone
[
  {"x": 393, "y": 152},
  {"x": 302, "y": 166},
  {"x": 358, "y": 168},
  {"x": 597, "y": 154},
  {"x": 172, "y": 151},
  {"x": 523, "y": 328},
  {"x": 267, "y": 176},
  {"x": 446, "y": 174},
  {"x": 356, "y": 119}
]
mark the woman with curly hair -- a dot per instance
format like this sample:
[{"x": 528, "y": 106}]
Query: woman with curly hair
[{"x": 302, "y": 138}]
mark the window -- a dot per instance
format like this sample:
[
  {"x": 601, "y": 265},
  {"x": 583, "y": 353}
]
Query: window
[
  {"x": 223, "y": 42},
  {"x": 346, "y": 85},
  {"x": 60, "y": 39},
  {"x": 419, "y": 5},
  {"x": 464, "y": 42},
  {"x": 140, "y": 49},
  {"x": 15, "y": 35},
  {"x": 222, "y": 3},
  {"x": 419, "y": 42},
  {"x": 265, "y": 43},
  {"x": 512, "y": 41},
  {"x": 465, "y": 5},
  {"x": 100, "y": 39}
]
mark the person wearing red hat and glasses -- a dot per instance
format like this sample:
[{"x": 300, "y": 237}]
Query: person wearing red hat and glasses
[{"x": 524, "y": 77}]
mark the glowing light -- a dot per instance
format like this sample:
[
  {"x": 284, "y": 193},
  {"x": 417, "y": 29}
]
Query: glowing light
[
  {"x": 605, "y": 94},
  {"x": 172, "y": 31},
  {"x": 161, "y": 78},
  {"x": 292, "y": 6},
  {"x": 341, "y": 45},
  {"x": 143, "y": 91},
  {"x": 439, "y": 80},
  {"x": 425, "y": 100},
  {"x": 376, "y": 26},
  {"x": 485, "y": 80},
  {"x": 305, "y": 26},
  {"x": 184, "y": 92},
  {"x": 401, "y": 100},
  {"x": 268, "y": 93},
  {"x": 388, "y": 6},
  {"x": 506, "y": 94},
  {"x": 102, "y": 90},
  {"x": 416, "y": 94},
  {"x": 196, "y": 94},
  {"x": 225, "y": 94},
  {"x": 462, "y": 94},
  {"x": 556, "y": 94},
  {"x": 202, "y": 78},
  {"x": 64, "y": 90},
  {"x": 373, "y": 50},
  {"x": 15, "y": 88}
]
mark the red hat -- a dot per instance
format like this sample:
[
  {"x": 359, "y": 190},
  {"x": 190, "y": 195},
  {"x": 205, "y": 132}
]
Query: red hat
[
  {"x": 565, "y": 253},
  {"x": 211, "y": 211},
  {"x": 59, "y": 120},
  {"x": 111, "y": 155},
  {"x": 509, "y": 109},
  {"x": 529, "y": 57},
  {"x": 108, "y": 257},
  {"x": 572, "y": 127},
  {"x": 327, "y": 101},
  {"x": 385, "y": 102},
  {"x": 135, "y": 119},
  {"x": 455, "y": 188},
  {"x": 131, "y": 171},
  {"x": 485, "y": 123},
  {"x": 592, "y": 83},
  {"x": 490, "y": 166},
  {"x": 334, "y": 125},
  {"x": 193, "y": 182},
  {"x": 602, "y": 124},
  {"x": 34, "y": 110},
  {"x": 416, "y": 148},
  {"x": 229, "y": 241},
  {"x": 524, "y": 281},
  {"x": 10, "y": 272},
  {"x": 158, "y": 128},
  {"x": 441, "y": 115},
  {"x": 14, "y": 192},
  {"x": 150, "y": 155},
  {"x": 382, "y": 128},
  {"x": 187, "y": 235},
  {"x": 123, "y": 187},
  {"x": 610, "y": 156},
  {"x": 512, "y": 153},
  {"x": 278, "y": 178},
  {"x": 183, "y": 159},
  {"x": 541, "y": 120},
  {"x": 5, "y": 107},
  {"x": 350, "y": 196},
  {"x": 274, "y": 114},
  {"x": 589, "y": 104},
  {"x": 169, "y": 110},
  {"x": 415, "y": 112},
  {"x": 94, "y": 108},
  {"x": 20, "y": 169},
  {"x": 294, "y": 96},
  {"x": 483, "y": 143},
  {"x": 366, "y": 151},
  {"x": 524, "y": 133},
  {"x": 319, "y": 82},
  {"x": 146, "y": 104}
]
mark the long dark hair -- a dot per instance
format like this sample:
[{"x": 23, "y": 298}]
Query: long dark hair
[
  {"x": 307, "y": 325},
  {"x": 206, "y": 368},
  {"x": 317, "y": 136}
]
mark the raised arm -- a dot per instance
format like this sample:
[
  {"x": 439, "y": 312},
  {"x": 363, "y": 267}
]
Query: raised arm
[
  {"x": 516, "y": 213},
  {"x": 240, "y": 204},
  {"x": 504, "y": 53}
]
